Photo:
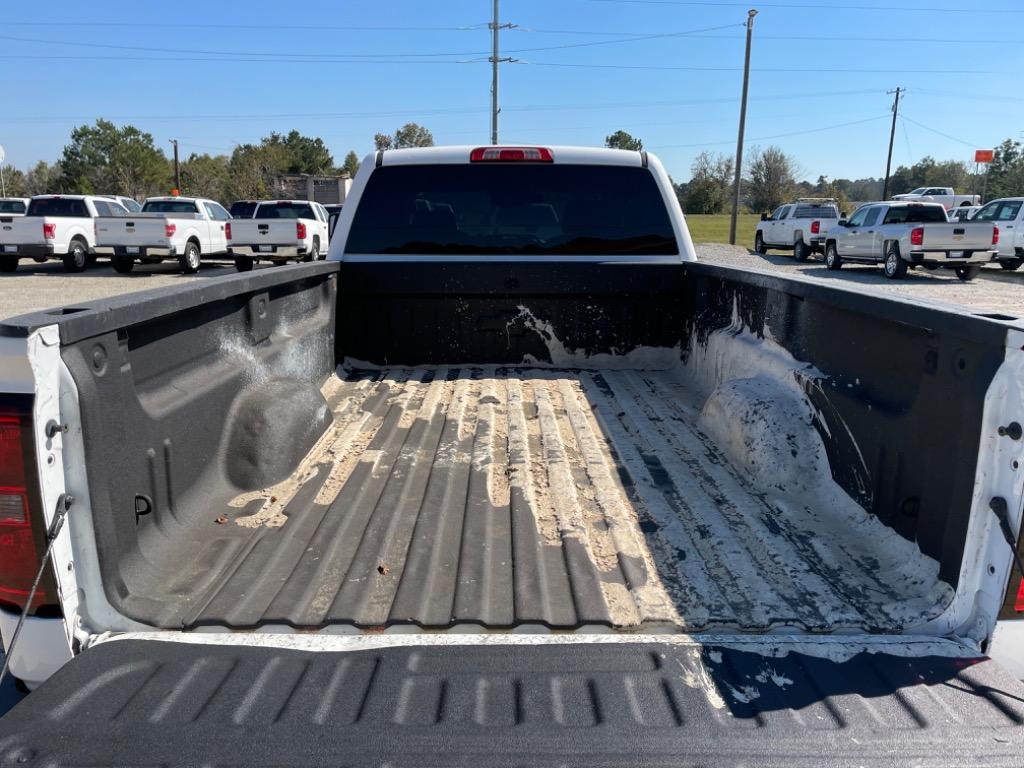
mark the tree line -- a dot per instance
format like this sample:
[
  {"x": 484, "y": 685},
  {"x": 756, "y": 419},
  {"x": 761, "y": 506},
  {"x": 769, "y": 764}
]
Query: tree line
[{"x": 106, "y": 159}]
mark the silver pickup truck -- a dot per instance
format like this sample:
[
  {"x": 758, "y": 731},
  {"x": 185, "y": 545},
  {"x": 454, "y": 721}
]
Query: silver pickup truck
[{"x": 903, "y": 236}]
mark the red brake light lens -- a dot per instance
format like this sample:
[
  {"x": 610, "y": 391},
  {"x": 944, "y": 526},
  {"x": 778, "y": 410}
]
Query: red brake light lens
[
  {"x": 227, "y": 230},
  {"x": 511, "y": 155},
  {"x": 300, "y": 230},
  {"x": 815, "y": 227},
  {"x": 19, "y": 558},
  {"x": 995, "y": 235},
  {"x": 49, "y": 231},
  {"x": 169, "y": 230},
  {"x": 1018, "y": 604},
  {"x": 917, "y": 236}
]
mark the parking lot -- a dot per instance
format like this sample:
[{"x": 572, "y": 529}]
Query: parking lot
[{"x": 40, "y": 286}]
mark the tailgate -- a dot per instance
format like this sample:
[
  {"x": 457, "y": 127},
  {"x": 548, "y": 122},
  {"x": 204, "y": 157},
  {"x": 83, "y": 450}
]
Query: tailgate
[
  {"x": 131, "y": 230},
  {"x": 959, "y": 235},
  {"x": 264, "y": 232},
  {"x": 539, "y": 701},
  {"x": 21, "y": 230}
]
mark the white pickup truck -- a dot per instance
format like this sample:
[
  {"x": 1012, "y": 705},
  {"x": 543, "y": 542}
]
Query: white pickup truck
[
  {"x": 1007, "y": 213},
  {"x": 182, "y": 228},
  {"x": 800, "y": 226},
  {"x": 512, "y": 479},
  {"x": 13, "y": 206},
  {"x": 945, "y": 196},
  {"x": 55, "y": 227},
  {"x": 903, "y": 236},
  {"x": 279, "y": 231}
]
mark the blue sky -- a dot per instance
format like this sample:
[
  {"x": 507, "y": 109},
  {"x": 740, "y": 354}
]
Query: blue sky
[{"x": 249, "y": 68}]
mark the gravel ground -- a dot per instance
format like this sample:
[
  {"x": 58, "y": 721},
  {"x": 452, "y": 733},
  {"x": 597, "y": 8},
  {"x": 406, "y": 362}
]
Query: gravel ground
[
  {"x": 41, "y": 286},
  {"x": 994, "y": 291}
]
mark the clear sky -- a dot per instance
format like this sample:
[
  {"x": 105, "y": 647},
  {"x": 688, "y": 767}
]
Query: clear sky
[{"x": 213, "y": 74}]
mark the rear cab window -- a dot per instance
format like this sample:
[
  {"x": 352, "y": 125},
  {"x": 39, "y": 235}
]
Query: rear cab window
[
  {"x": 916, "y": 214},
  {"x": 170, "y": 206},
  {"x": 243, "y": 209},
  {"x": 816, "y": 211},
  {"x": 58, "y": 206},
  {"x": 12, "y": 206},
  {"x": 285, "y": 210},
  {"x": 512, "y": 210}
]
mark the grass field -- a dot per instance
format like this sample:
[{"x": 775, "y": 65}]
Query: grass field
[{"x": 714, "y": 228}]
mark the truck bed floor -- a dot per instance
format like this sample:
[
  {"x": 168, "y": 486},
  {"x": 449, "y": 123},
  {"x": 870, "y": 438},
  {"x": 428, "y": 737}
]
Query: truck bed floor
[{"x": 505, "y": 498}]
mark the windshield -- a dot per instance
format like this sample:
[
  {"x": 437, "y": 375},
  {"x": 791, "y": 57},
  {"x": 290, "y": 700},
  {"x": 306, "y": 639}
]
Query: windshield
[
  {"x": 12, "y": 206},
  {"x": 130, "y": 204},
  {"x": 918, "y": 191},
  {"x": 169, "y": 206},
  {"x": 285, "y": 211},
  {"x": 512, "y": 209},
  {"x": 916, "y": 214},
  {"x": 243, "y": 209},
  {"x": 58, "y": 206}
]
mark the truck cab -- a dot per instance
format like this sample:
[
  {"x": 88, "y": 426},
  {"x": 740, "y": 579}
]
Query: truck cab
[{"x": 1007, "y": 214}]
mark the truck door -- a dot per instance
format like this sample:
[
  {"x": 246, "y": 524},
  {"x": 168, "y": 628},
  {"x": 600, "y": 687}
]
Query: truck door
[
  {"x": 218, "y": 216},
  {"x": 846, "y": 242},
  {"x": 868, "y": 243}
]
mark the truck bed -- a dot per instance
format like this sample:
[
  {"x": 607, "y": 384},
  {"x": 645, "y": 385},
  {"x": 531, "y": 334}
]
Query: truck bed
[{"x": 515, "y": 497}]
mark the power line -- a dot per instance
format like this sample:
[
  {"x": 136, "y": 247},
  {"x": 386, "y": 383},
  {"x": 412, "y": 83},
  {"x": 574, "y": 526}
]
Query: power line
[
  {"x": 672, "y": 68},
  {"x": 778, "y": 135},
  {"x": 817, "y": 7},
  {"x": 940, "y": 133}
]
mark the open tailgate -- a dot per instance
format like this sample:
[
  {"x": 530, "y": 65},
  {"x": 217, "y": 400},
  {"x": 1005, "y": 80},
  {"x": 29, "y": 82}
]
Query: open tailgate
[{"x": 535, "y": 702}]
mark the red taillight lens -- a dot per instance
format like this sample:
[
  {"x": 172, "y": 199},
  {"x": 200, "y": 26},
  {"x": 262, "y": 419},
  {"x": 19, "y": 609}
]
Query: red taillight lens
[
  {"x": 511, "y": 155},
  {"x": 1018, "y": 604},
  {"x": 995, "y": 235},
  {"x": 917, "y": 236},
  {"x": 169, "y": 230},
  {"x": 227, "y": 230},
  {"x": 19, "y": 558},
  {"x": 49, "y": 231},
  {"x": 815, "y": 227},
  {"x": 300, "y": 230}
]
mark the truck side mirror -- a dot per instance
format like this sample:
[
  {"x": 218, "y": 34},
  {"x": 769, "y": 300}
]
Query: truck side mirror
[
  {"x": 842, "y": 222},
  {"x": 844, "y": 215},
  {"x": 764, "y": 217}
]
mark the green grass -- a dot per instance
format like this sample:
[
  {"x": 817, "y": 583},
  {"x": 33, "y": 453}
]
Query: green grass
[{"x": 714, "y": 228}]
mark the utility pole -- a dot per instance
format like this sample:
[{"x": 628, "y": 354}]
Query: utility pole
[
  {"x": 177, "y": 166},
  {"x": 495, "y": 26},
  {"x": 743, "y": 121},
  {"x": 892, "y": 136}
]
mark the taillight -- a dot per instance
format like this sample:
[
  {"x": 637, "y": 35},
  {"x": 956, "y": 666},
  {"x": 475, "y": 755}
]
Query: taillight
[
  {"x": 300, "y": 230},
  {"x": 1018, "y": 604},
  {"x": 995, "y": 235},
  {"x": 227, "y": 230},
  {"x": 815, "y": 227},
  {"x": 511, "y": 155},
  {"x": 49, "y": 231},
  {"x": 19, "y": 555},
  {"x": 917, "y": 236},
  {"x": 169, "y": 230}
]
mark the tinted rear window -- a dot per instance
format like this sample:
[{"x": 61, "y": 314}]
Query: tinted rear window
[
  {"x": 285, "y": 211},
  {"x": 12, "y": 206},
  {"x": 58, "y": 206},
  {"x": 816, "y": 212},
  {"x": 169, "y": 206},
  {"x": 916, "y": 214},
  {"x": 512, "y": 209},
  {"x": 242, "y": 209}
]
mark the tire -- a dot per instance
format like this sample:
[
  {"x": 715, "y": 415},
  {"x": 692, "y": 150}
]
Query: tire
[
  {"x": 315, "y": 255},
  {"x": 1011, "y": 265},
  {"x": 123, "y": 264},
  {"x": 967, "y": 273},
  {"x": 832, "y": 258},
  {"x": 189, "y": 260},
  {"x": 77, "y": 257},
  {"x": 243, "y": 263},
  {"x": 894, "y": 266},
  {"x": 9, "y": 264},
  {"x": 800, "y": 250},
  {"x": 759, "y": 246}
]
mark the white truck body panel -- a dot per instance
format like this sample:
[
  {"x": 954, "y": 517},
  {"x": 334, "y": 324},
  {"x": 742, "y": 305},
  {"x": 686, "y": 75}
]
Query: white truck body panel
[
  {"x": 1007, "y": 213},
  {"x": 276, "y": 238},
  {"x": 945, "y": 196}
]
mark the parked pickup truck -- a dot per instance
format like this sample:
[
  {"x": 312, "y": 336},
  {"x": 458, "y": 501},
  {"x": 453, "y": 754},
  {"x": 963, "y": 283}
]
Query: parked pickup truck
[
  {"x": 279, "y": 231},
  {"x": 13, "y": 206},
  {"x": 903, "y": 236},
  {"x": 944, "y": 196},
  {"x": 800, "y": 226},
  {"x": 1007, "y": 214},
  {"x": 55, "y": 227},
  {"x": 511, "y": 479},
  {"x": 182, "y": 228}
]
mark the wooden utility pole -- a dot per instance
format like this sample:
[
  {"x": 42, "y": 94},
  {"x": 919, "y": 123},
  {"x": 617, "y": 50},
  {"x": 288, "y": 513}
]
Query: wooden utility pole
[
  {"x": 892, "y": 136},
  {"x": 177, "y": 166},
  {"x": 743, "y": 122}
]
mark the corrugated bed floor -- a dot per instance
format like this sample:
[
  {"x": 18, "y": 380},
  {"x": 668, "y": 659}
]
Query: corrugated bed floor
[{"x": 510, "y": 497}]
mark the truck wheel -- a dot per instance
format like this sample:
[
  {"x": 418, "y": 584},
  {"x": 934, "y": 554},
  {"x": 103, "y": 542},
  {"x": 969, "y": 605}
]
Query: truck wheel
[
  {"x": 123, "y": 264},
  {"x": 895, "y": 267},
  {"x": 77, "y": 257},
  {"x": 967, "y": 273},
  {"x": 314, "y": 254},
  {"x": 189, "y": 260},
  {"x": 243, "y": 263},
  {"x": 832, "y": 258},
  {"x": 800, "y": 250},
  {"x": 9, "y": 264},
  {"x": 759, "y": 245},
  {"x": 1011, "y": 264}
]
